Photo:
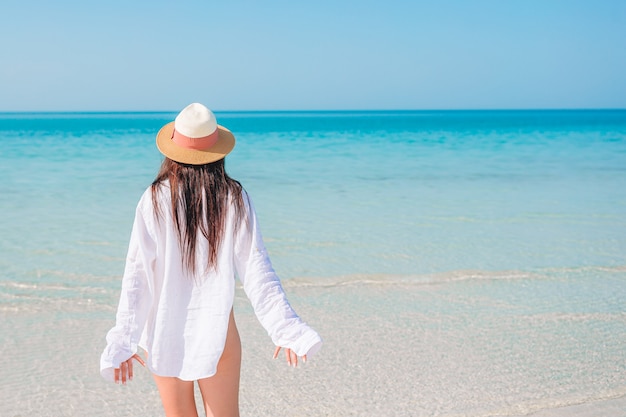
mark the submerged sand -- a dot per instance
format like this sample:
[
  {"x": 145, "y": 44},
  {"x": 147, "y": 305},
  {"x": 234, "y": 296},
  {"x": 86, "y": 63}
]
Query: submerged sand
[{"x": 381, "y": 357}]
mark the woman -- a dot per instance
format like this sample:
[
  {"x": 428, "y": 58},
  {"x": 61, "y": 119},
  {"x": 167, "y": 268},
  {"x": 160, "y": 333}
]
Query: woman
[{"x": 195, "y": 229}]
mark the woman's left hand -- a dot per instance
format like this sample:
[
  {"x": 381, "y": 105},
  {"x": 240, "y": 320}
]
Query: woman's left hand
[
  {"x": 125, "y": 371},
  {"x": 292, "y": 358}
]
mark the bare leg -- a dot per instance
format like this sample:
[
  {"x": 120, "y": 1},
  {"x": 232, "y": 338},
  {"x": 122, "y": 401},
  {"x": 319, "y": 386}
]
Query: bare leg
[
  {"x": 220, "y": 392},
  {"x": 176, "y": 396}
]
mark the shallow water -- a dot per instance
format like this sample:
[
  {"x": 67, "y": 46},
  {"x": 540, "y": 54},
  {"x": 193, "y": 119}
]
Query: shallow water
[{"x": 456, "y": 263}]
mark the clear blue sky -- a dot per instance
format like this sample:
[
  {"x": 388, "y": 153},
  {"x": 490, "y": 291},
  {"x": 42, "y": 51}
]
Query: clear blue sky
[{"x": 323, "y": 54}]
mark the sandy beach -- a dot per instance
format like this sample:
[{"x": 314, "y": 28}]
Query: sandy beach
[{"x": 385, "y": 360}]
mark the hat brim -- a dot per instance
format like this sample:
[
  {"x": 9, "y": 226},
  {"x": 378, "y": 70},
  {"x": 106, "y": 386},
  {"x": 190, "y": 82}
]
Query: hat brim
[{"x": 225, "y": 143}]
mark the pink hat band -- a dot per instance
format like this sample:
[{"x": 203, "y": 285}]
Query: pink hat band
[{"x": 199, "y": 144}]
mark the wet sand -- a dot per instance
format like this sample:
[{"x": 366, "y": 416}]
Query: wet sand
[{"x": 379, "y": 358}]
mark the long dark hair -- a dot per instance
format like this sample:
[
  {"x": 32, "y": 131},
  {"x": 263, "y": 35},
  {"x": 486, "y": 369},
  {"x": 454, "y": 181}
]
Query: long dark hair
[{"x": 200, "y": 199}]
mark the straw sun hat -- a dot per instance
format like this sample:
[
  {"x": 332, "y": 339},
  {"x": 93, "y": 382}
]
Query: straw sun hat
[{"x": 194, "y": 137}]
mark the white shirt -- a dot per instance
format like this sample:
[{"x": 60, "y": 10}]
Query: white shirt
[{"x": 182, "y": 320}]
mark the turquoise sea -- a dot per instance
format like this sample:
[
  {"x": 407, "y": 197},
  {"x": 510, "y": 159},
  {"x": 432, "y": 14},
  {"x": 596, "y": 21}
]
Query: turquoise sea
[{"x": 491, "y": 243}]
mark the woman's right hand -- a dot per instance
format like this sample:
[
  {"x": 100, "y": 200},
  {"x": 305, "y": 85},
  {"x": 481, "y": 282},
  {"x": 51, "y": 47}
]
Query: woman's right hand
[{"x": 125, "y": 371}]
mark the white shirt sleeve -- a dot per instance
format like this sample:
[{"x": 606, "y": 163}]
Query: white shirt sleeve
[
  {"x": 135, "y": 299},
  {"x": 263, "y": 288}
]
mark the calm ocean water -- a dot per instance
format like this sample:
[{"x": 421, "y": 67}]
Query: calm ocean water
[
  {"x": 402, "y": 193},
  {"x": 517, "y": 217}
]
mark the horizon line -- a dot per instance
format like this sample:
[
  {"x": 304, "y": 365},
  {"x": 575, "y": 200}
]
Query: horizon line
[{"x": 320, "y": 110}]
